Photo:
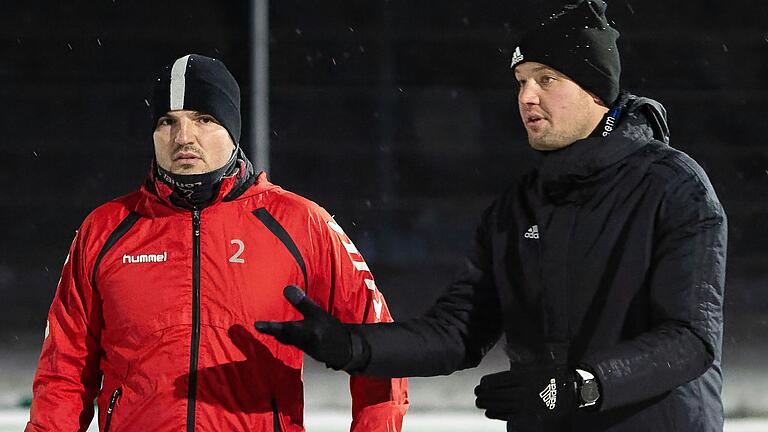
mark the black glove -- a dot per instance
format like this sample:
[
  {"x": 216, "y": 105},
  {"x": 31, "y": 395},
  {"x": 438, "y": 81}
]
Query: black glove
[
  {"x": 530, "y": 395},
  {"x": 319, "y": 334}
]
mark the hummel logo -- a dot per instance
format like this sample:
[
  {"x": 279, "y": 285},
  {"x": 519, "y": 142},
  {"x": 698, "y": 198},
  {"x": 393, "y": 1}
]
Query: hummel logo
[
  {"x": 517, "y": 57},
  {"x": 532, "y": 233},
  {"x": 130, "y": 259},
  {"x": 549, "y": 394}
]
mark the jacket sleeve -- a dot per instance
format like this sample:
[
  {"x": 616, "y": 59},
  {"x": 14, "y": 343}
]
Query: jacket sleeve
[
  {"x": 686, "y": 283},
  {"x": 343, "y": 283},
  {"x": 456, "y": 332},
  {"x": 68, "y": 378}
]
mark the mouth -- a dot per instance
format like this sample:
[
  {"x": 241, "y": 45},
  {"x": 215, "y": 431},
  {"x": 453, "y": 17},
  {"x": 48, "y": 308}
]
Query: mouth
[
  {"x": 185, "y": 157},
  {"x": 533, "y": 120}
]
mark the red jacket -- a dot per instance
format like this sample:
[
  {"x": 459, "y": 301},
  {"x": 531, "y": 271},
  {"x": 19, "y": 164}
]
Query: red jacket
[{"x": 160, "y": 302}]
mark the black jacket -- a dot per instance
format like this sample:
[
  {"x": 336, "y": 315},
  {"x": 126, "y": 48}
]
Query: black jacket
[{"x": 610, "y": 256}]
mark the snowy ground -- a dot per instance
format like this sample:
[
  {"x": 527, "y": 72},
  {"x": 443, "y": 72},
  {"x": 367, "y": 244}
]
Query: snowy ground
[
  {"x": 440, "y": 403},
  {"x": 330, "y": 421}
]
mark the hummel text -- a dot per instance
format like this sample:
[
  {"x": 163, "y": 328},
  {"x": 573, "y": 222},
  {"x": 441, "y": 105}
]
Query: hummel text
[{"x": 130, "y": 259}]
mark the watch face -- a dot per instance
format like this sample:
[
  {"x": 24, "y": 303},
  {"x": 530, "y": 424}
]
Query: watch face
[{"x": 589, "y": 392}]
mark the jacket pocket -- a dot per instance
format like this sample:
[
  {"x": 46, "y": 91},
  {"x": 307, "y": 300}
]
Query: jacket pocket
[
  {"x": 111, "y": 407},
  {"x": 275, "y": 417}
]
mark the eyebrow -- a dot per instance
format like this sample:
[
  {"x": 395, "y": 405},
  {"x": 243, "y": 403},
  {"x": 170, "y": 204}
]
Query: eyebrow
[
  {"x": 194, "y": 113},
  {"x": 539, "y": 69},
  {"x": 544, "y": 69}
]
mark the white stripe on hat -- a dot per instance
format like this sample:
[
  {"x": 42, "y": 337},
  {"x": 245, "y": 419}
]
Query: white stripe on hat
[{"x": 178, "y": 82}]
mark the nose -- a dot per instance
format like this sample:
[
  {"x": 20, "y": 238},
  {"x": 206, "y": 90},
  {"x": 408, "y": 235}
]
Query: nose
[
  {"x": 182, "y": 131},
  {"x": 528, "y": 94}
]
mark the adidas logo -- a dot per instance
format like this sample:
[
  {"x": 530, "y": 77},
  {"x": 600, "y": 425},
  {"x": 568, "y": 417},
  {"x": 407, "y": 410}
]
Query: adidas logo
[
  {"x": 532, "y": 233},
  {"x": 549, "y": 394},
  {"x": 517, "y": 57}
]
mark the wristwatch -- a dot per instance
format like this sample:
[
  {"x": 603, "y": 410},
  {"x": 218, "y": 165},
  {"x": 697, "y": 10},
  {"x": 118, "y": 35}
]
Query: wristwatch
[{"x": 586, "y": 388}]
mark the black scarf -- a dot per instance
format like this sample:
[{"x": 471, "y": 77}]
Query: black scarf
[{"x": 195, "y": 191}]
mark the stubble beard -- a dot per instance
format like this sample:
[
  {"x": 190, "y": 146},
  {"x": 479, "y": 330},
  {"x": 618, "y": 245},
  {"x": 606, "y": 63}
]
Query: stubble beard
[
  {"x": 550, "y": 140},
  {"x": 554, "y": 138}
]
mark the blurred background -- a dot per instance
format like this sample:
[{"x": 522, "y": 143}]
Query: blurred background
[{"x": 398, "y": 116}]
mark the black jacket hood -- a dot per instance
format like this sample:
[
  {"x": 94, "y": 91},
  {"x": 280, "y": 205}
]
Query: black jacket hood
[{"x": 644, "y": 113}]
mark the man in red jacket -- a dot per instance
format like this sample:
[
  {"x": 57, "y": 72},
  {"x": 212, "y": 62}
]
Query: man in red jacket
[{"x": 152, "y": 314}]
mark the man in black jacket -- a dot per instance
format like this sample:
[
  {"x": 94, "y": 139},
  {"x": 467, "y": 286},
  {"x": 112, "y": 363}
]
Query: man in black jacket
[{"x": 603, "y": 267}]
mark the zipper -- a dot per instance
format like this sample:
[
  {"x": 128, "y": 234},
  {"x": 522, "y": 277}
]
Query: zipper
[
  {"x": 110, "y": 409},
  {"x": 195, "y": 343},
  {"x": 275, "y": 417}
]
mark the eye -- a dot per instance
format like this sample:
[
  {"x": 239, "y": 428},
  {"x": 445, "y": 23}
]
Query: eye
[
  {"x": 206, "y": 119},
  {"x": 164, "y": 121},
  {"x": 546, "y": 80}
]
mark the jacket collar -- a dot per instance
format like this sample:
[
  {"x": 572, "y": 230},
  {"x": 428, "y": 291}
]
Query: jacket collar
[{"x": 631, "y": 124}]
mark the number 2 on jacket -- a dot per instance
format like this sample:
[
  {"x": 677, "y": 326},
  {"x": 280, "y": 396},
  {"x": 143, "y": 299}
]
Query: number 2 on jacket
[{"x": 240, "y": 248}]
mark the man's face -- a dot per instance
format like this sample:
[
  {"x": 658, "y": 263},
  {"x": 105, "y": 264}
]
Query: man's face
[
  {"x": 555, "y": 110},
  {"x": 190, "y": 142}
]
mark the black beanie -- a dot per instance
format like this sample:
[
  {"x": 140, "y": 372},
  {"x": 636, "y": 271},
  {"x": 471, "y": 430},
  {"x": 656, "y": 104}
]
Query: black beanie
[
  {"x": 198, "y": 83},
  {"x": 577, "y": 41}
]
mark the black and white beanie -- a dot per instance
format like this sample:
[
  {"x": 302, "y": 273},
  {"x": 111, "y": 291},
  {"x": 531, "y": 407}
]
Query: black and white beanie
[
  {"x": 198, "y": 83},
  {"x": 578, "y": 41}
]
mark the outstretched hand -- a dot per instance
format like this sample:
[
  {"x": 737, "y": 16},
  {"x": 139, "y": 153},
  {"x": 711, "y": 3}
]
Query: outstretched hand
[{"x": 319, "y": 334}]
